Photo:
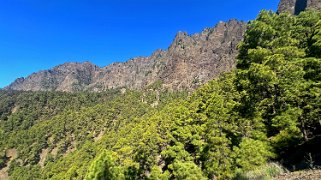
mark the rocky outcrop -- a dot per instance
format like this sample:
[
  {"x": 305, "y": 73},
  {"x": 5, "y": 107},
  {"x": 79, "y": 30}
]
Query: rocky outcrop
[
  {"x": 297, "y": 6},
  {"x": 190, "y": 61},
  {"x": 67, "y": 77},
  {"x": 314, "y": 4},
  {"x": 287, "y": 6}
]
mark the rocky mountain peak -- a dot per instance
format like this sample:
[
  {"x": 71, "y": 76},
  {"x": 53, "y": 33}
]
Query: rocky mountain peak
[
  {"x": 190, "y": 61},
  {"x": 75, "y": 66},
  {"x": 158, "y": 54},
  {"x": 66, "y": 77}
]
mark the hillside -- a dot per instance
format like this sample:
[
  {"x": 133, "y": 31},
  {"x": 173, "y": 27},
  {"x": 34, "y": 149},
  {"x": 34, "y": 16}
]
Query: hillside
[
  {"x": 266, "y": 110},
  {"x": 39, "y": 130},
  {"x": 253, "y": 113}
]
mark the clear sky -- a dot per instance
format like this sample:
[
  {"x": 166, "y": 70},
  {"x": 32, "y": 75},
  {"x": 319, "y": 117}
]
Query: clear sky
[{"x": 39, "y": 34}]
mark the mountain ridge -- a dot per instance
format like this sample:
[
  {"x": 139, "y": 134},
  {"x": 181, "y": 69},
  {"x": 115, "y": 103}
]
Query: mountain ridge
[{"x": 189, "y": 61}]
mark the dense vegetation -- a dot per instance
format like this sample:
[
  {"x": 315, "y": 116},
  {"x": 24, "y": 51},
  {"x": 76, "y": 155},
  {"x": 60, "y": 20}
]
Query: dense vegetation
[{"x": 229, "y": 126}]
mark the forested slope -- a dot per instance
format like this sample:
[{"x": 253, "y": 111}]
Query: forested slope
[{"x": 228, "y": 127}]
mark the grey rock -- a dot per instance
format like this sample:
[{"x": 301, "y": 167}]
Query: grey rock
[
  {"x": 66, "y": 77},
  {"x": 297, "y": 6},
  {"x": 190, "y": 61}
]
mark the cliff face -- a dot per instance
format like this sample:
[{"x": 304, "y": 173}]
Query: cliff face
[
  {"x": 314, "y": 4},
  {"x": 297, "y": 6},
  {"x": 67, "y": 77},
  {"x": 190, "y": 61}
]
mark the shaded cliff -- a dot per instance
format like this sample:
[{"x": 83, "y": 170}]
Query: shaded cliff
[{"x": 297, "y": 6}]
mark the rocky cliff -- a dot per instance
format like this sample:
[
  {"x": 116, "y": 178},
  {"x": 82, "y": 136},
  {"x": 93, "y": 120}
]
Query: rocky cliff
[
  {"x": 190, "y": 61},
  {"x": 296, "y": 6}
]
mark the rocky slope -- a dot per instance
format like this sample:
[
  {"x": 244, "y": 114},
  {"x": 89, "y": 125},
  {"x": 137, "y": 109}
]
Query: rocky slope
[
  {"x": 190, "y": 60},
  {"x": 296, "y": 6},
  {"x": 301, "y": 175}
]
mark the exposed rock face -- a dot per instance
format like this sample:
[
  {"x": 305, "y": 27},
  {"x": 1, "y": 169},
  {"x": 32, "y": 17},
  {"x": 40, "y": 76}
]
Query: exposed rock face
[
  {"x": 286, "y": 6},
  {"x": 297, "y": 6},
  {"x": 67, "y": 77},
  {"x": 314, "y": 4},
  {"x": 190, "y": 61}
]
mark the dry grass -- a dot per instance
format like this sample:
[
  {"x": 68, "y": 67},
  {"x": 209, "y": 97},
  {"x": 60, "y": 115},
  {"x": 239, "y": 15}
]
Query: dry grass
[{"x": 266, "y": 172}]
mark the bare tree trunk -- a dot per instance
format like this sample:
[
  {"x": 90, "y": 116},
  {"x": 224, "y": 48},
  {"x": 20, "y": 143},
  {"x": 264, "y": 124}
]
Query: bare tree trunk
[{"x": 304, "y": 131}]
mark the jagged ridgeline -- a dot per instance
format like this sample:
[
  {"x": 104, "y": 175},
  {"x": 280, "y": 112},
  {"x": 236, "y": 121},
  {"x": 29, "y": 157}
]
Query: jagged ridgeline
[
  {"x": 190, "y": 61},
  {"x": 228, "y": 128}
]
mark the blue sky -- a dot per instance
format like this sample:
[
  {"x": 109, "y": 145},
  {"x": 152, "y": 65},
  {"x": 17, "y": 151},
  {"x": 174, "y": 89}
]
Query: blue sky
[{"x": 40, "y": 34}]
